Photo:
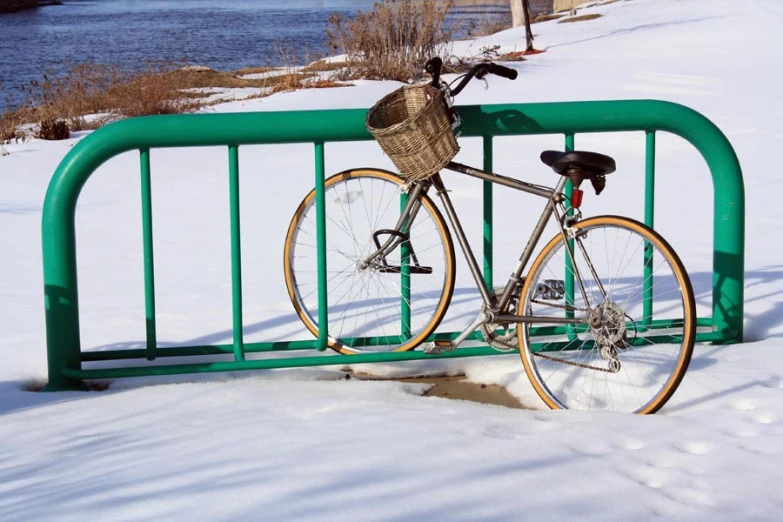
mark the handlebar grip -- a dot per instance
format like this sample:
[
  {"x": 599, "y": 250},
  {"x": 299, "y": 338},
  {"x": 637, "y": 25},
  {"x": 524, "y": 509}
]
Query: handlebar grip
[{"x": 505, "y": 72}]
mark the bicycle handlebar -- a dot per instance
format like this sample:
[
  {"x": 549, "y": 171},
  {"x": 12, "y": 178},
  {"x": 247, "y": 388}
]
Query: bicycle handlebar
[
  {"x": 505, "y": 72},
  {"x": 480, "y": 70}
]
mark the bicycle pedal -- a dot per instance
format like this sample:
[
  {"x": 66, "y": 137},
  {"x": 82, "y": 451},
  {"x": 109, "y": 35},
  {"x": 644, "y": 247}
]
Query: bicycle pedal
[
  {"x": 551, "y": 289},
  {"x": 438, "y": 347}
]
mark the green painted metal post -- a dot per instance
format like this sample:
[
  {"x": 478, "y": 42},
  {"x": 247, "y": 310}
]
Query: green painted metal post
[
  {"x": 488, "y": 211},
  {"x": 236, "y": 252},
  {"x": 405, "y": 280},
  {"x": 149, "y": 260},
  {"x": 568, "y": 281},
  {"x": 58, "y": 219},
  {"x": 320, "y": 222},
  {"x": 649, "y": 220}
]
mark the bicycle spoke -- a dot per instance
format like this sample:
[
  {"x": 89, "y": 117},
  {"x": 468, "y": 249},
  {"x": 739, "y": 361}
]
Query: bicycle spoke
[
  {"x": 574, "y": 368},
  {"x": 365, "y": 301}
]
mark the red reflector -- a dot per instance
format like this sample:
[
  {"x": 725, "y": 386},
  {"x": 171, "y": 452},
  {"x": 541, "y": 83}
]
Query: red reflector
[{"x": 576, "y": 198}]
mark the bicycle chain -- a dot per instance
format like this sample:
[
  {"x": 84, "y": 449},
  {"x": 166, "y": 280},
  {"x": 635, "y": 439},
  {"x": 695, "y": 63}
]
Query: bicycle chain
[
  {"x": 555, "y": 305},
  {"x": 506, "y": 346},
  {"x": 499, "y": 344},
  {"x": 571, "y": 363}
]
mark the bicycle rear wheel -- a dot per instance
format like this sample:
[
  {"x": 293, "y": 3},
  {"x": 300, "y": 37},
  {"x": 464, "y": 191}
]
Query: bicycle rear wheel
[
  {"x": 633, "y": 351},
  {"x": 383, "y": 307}
]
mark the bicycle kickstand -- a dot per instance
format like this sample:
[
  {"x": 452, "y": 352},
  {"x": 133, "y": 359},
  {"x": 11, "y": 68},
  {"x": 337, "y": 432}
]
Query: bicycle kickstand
[{"x": 438, "y": 347}]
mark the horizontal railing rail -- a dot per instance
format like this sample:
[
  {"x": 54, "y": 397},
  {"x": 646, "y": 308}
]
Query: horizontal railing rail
[{"x": 65, "y": 356}]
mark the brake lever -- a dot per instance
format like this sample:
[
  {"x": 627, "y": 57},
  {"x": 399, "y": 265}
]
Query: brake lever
[{"x": 481, "y": 74}]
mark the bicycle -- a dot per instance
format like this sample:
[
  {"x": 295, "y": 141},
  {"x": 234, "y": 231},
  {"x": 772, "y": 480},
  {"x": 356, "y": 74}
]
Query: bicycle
[{"x": 582, "y": 317}]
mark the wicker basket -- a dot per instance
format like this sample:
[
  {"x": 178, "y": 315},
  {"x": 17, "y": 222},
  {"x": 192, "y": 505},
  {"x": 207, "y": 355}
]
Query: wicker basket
[{"x": 413, "y": 129}]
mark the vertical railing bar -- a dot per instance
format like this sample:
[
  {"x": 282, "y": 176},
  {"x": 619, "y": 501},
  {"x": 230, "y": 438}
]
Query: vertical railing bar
[
  {"x": 236, "y": 253},
  {"x": 149, "y": 260},
  {"x": 569, "y": 270},
  {"x": 649, "y": 220},
  {"x": 405, "y": 280},
  {"x": 320, "y": 222},
  {"x": 488, "y": 211}
]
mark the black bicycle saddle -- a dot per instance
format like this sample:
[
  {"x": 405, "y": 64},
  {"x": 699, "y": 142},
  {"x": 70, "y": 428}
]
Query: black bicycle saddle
[{"x": 590, "y": 162}]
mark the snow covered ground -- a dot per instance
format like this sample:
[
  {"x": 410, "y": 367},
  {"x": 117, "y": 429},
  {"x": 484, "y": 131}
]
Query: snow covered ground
[{"x": 306, "y": 444}]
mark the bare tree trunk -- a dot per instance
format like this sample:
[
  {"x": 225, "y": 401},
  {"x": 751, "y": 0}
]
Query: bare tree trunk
[
  {"x": 517, "y": 13},
  {"x": 521, "y": 14},
  {"x": 528, "y": 30}
]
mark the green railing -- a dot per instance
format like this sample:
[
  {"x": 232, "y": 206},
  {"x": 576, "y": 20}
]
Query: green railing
[{"x": 233, "y": 130}]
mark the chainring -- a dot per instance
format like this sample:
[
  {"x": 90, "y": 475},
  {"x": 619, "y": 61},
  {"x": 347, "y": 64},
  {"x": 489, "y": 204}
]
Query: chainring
[{"x": 502, "y": 336}]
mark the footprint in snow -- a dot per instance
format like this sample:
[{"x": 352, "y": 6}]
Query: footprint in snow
[
  {"x": 744, "y": 433},
  {"x": 694, "y": 447},
  {"x": 743, "y": 406},
  {"x": 631, "y": 445},
  {"x": 765, "y": 418}
]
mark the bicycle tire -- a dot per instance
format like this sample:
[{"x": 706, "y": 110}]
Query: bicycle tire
[
  {"x": 363, "y": 312},
  {"x": 571, "y": 366}
]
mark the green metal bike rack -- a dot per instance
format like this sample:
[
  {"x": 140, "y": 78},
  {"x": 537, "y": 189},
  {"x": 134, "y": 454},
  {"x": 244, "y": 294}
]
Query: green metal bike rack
[{"x": 65, "y": 356}]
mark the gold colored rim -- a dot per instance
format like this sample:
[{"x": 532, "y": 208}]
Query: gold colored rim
[
  {"x": 440, "y": 311},
  {"x": 689, "y": 306}
]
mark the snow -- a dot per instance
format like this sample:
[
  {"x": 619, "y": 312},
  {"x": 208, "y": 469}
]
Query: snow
[{"x": 307, "y": 444}]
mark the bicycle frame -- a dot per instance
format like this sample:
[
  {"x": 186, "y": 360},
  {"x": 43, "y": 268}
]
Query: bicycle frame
[{"x": 554, "y": 198}]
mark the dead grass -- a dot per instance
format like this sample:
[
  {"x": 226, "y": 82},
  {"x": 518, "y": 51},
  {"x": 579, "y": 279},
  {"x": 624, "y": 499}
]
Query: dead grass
[
  {"x": 59, "y": 104},
  {"x": 9, "y": 128},
  {"x": 62, "y": 101},
  {"x": 252, "y": 70},
  {"x": 53, "y": 129},
  {"x": 393, "y": 40},
  {"x": 327, "y": 84},
  {"x": 547, "y": 18},
  {"x": 324, "y": 66},
  {"x": 513, "y": 56},
  {"x": 580, "y": 18}
]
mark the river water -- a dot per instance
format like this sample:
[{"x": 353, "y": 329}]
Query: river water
[{"x": 222, "y": 34}]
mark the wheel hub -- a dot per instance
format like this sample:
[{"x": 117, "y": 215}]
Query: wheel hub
[{"x": 607, "y": 322}]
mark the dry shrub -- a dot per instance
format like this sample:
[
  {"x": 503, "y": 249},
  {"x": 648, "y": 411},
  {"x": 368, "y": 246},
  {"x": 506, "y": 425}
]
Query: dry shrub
[
  {"x": 53, "y": 129},
  {"x": 107, "y": 93},
  {"x": 87, "y": 89},
  {"x": 290, "y": 79},
  {"x": 293, "y": 76},
  {"x": 9, "y": 131},
  {"x": 153, "y": 91},
  {"x": 70, "y": 96},
  {"x": 393, "y": 41}
]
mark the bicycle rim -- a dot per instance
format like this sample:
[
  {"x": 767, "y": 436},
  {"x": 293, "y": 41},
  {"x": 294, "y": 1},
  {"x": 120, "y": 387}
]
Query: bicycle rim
[
  {"x": 635, "y": 354},
  {"x": 380, "y": 308}
]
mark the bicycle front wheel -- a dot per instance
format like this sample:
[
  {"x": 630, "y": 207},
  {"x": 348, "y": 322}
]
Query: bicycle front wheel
[
  {"x": 638, "y": 327},
  {"x": 390, "y": 305}
]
